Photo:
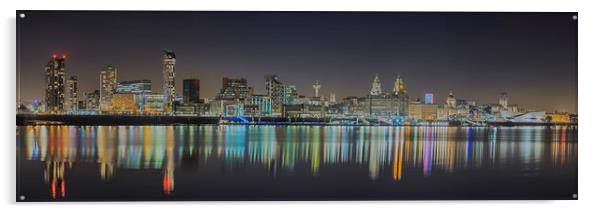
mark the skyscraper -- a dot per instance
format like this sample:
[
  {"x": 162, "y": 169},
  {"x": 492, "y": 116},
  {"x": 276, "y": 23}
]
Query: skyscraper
[
  {"x": 169, "y": 80},
  {"x": 72, "y": 101},
  {"x": 503, "y": 100},
  {"x": 190, "y": 90},
  {"x": 108, "y": 84},
  {"x": 55, "y": 84},
  {"x": 428, "y": 98}
]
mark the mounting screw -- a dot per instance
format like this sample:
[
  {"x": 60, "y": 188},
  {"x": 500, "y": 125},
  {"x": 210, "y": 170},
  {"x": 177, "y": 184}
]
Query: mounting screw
[
  {"x": 22, "y": 197},
  {"x": 22, "y": 15},
  {"x": 574, "y": 196},
  {"x": 574, "y": 17}
]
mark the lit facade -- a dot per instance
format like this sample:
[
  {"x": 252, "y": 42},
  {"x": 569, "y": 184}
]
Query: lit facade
[
  {"x": 503, "y": 100},
  {"x": 92, "y": 100},
  {"x": 71, "y": 104},
  {"x": 124, "y": 103},
  {"x": 279, "y": 92},
  {"x": 169, "y": 80},
  {"x": 422, "y": 111},
  {"x": 428, "y": 98},
  {"x": 135, "y": 86},
  {"x": 263, "y": 103},
  {"x": 108, "y": 84},
  {"x": 394, "y": 103},
  {"x": 55, "y": 85},
  {"x": 558, "y": 117},
  {"x": 451, "y": 100},
  {"x": 153, "y": 103},
  {"x": 234, "y": 89}
]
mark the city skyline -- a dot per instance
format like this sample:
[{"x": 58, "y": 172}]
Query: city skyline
[{"x": 556, "y": 89}]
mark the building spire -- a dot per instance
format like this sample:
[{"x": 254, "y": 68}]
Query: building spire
[
  {"x": 376, "y": 86},
  {"x": 317, "y": 87},
  {"x": 398, "y": 87}
]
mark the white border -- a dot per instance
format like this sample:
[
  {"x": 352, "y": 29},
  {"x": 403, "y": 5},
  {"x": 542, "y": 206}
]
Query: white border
[{"x": 590, "y": 71}]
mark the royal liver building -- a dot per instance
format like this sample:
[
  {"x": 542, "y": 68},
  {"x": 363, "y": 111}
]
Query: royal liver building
[{"x": 387, "y": 104}]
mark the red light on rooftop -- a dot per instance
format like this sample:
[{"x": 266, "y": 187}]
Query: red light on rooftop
[
  {"x": 64, "y": 56},
  {"x": 53, "y": 56}
]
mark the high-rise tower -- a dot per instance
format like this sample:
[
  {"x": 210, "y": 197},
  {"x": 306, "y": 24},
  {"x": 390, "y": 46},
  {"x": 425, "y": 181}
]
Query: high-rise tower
[
  {"x": 71, "y": 104},
  {"x": 169, "y": 80},
  {"x": 55, "y": 84},
  {"x": 190, "y": 90},
  {"x": 108, "y": 83}
]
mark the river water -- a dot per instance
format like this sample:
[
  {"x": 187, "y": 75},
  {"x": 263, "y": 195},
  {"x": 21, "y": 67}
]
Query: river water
[{"x": 240, "y": 162}]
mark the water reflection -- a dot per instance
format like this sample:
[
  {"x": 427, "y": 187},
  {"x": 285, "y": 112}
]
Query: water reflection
[{"x": 384, "y": 152}]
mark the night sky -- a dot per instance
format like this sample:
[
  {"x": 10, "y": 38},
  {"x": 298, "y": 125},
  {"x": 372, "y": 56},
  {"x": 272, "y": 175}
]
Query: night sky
[{"x": 531, "y": 56}]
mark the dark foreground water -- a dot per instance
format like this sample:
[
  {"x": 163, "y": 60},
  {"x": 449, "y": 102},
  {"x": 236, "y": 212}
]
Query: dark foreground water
[{"x": 90, "y": 163}]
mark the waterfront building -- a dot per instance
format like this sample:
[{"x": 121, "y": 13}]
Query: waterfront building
[
  {"x": 422, "y": 111},
  {"x": 394, "y": 103},
  {"x": 428, "y": 98},
  {"x": 108, "y": 83},
  {"x": 280, "y": 93},
  {"x": 263, "y": 104},
  {"x": 513, "y": 108},
  {"x": 55, "y": 85},
  {"x": 36, "y": 106},
  {"x": 135, "y": 86},
  {"x": 81, "y": 105},
  {"x": 558, "y": 117},
  {"x": 503, "y": 100},
  {"x": 124, "y": 103},
  {"x": 529, "y": 117},
  {"x": 333, "y": 99},
  {"x": 92, "y": 101},
  {"x": 355, "y": 106},
  {"x": 140, "y": 88},
  {"x": 190, "y": 90},
  {"x": 233, "y": 107},
  {"x": 234, "y": 89},
  {"x": 188, "y": 108},
  {"x": 71, "y": 104},
  {"x": 153, "y": 103},
  {"x": 169, "y": 80},
  {"x": 303, "y": 106},
  {"x": 451, "y": 100},
  {"x": 464, "y": 104},
  {"x": 303, "y": 110},
  {"x": 336, "y": 110}
]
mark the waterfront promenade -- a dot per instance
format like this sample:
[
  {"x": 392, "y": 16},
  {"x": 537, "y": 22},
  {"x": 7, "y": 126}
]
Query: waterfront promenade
[{"x": 110, "y": 120}]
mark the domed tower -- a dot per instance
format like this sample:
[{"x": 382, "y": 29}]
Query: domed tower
[
  {"x": 376, "y": 86},
  {"x": 451, "y": 100}
]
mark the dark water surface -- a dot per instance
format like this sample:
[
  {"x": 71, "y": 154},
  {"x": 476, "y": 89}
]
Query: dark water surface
[{"x": 89, "y": 163}]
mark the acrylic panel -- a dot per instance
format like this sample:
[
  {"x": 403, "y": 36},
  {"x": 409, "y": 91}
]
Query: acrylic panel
[{"x": 235, "y": 105}]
